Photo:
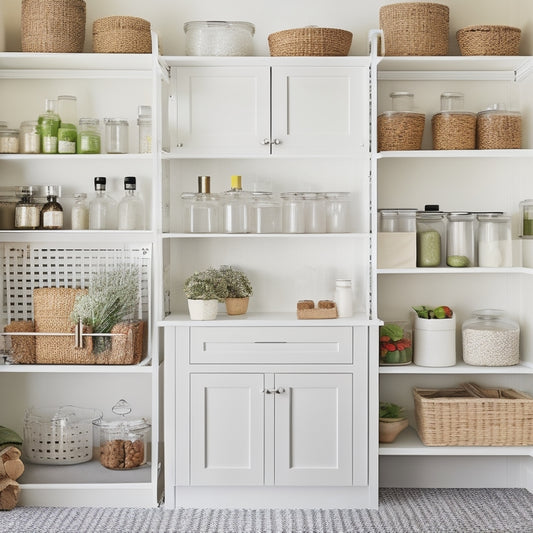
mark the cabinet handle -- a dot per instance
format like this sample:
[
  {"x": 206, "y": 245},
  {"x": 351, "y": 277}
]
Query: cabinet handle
[
  {"x": 267, "y": 391},
  {"x": 265, "y": 141},
  {"x": 279, "y": 390},
  {"x": 179, "y": 145},
  {"x": 276, "y": 141}
]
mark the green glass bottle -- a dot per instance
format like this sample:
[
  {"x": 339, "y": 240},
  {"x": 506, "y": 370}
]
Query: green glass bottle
[{"x": 48, "y": 127}]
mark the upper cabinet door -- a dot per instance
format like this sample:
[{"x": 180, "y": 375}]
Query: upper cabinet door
[
  {"x": 320, "y": 110},
  {"x": 221, "y": 111}
]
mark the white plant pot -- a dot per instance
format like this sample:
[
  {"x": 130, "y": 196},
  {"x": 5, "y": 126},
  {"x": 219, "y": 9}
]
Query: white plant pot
[
  {"x": 434, "y": 342},
  {"x": 203, "y": 309}
]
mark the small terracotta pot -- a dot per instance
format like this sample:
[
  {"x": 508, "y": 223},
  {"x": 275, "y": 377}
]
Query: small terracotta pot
[
  {"x": 237, "y": 306},
  {"x": 390, "y": 428}
]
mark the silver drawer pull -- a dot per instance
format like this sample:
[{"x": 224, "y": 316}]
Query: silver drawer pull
[
  {"x": 279, "y": 390},
  {"x": 270, "y": 342}
]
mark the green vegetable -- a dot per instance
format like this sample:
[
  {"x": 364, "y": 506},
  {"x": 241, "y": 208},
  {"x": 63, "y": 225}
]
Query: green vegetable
[
  {"x": 457, "y": 261},
  {"x": 393, "y": 331}
]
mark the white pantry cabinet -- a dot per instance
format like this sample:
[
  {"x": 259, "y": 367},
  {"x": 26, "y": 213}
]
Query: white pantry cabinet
[
  {"x": 105, "y": 85},
  {"x": 264, "y": 109}
]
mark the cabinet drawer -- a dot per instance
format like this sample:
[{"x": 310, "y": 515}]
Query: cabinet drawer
[{"x": 229, "y": 345}]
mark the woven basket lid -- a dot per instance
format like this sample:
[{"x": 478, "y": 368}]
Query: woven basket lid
[{"x": 120, "y": 23}]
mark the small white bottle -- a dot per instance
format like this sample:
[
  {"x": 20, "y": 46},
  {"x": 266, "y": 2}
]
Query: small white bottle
[
  {"x": 131, "y": 207},
  {"x": 80, "y": 212},
  {"x": 344, "y": 298},
  {"x": 102, "y": 209}
]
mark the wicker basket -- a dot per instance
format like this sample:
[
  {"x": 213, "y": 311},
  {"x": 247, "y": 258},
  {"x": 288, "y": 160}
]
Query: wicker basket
[
  {"x": 54, "y": 26},
  {"x": 454, "y": 131},
  {"x": 400, "y": 130},
  {"x": 473, "y": 416},
  {"x": 122, "y": 35},
  {"x": 310, "y": 41},
  {"x": 415, "y": 29},
  {"x": 489, "y": 40}
]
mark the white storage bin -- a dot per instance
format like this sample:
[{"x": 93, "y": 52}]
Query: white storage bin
[{"x": 434, "y": 343}]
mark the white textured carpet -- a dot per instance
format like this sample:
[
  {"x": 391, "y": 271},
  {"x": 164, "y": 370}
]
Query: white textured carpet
[{"x": 400, "y": 511}]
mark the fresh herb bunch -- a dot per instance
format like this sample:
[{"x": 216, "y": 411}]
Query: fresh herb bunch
[
  {"x": 237, "y": 282},
  {"x": 113, "y": 297},
  {"x": 206, "y": 285},
  {"x": 390, "y": 410}
]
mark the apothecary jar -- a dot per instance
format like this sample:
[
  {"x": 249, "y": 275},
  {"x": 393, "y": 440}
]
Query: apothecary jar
[
  {"x": 494, "y": 242},
  {"x": 430, "y": 238}
]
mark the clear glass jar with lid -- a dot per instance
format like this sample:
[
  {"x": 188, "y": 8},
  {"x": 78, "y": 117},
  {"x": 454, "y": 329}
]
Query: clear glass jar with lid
[
  {"x": 499, "y": 128},
  {"x": 292, "y": 212},
  {"x": 218, "y": 38},
  {"x": 337, "y": 212},
  {"x": 9, "y": 141},
  {"x": 144, "y": 122},
  {"x": 80, "y": 212},
  {"x": 89, "y": 136},
  {"x": 491, "y": 338},
  {"x": 430, "y": 238},
  {"x": 116, "y": 135},
  {"x": 265, "y": 213},
  {"x": 201, "y": 212},
  {"x": 236, "y": 207},
  {"x": 315, "y": 212},
  {"x": 388, "y": 220},
  {"x": 494, "y": 241},
  {"x": 453, "y": 128},
  {"x": 460, "y": 240},
  {"x": 27, "y": 211},
  {"x": 526, "y": 218},
  {"x": 29, "y": 137}
]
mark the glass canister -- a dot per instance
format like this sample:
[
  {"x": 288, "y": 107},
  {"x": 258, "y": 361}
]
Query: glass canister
[
  {"x": 89, "y": 136},
  {"x": 218, "y": 38},
  {"x": 67, "y": 132},
  {"x": 494, "y": 240},
  {"x": 9, "y": 141},
  {"x": 460, "y": 240},
  {"x": 144, "y": 122},
  {"x": 7, "y": 212},
  {"x": 80, "y": 212},
  {"x": 499, "y": 128},
  {"x": 235, "y": 205},
  {"x": 388, "y": 220},
  {"x": 201, "y": 209},
  {"x": 265, "y": 213},
  {"x": 337, "y": 212},
  {"x": 406, "y": 219},
  {"x": 430, "y": 238},
  {"x": 395, "y": 343},
  {"x": 526, "y": 218},
  {"x": 453, "y": 128},
  {"x": 292, "y": 212},
  {"x": 123, "y": 441},
  {"x": 315, "y": 212},
  {"x": 27, "y": 212},
  {"x": 29, "y": 137},
  {"x": 490, "y": 338},
  {"x": 116, "y": 135}
]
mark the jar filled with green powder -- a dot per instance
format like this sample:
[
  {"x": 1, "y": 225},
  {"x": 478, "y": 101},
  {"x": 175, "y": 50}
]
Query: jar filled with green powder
[
  {"x": 526, "y": 218},
  {"x": 89, "y": 137},
  {"x": 430, "y": 238}
]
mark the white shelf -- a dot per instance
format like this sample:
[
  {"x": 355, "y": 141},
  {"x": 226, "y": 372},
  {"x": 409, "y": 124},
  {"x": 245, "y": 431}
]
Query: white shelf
[
  {"x": 90, "y": 237},
  {"x": 455, "y": 271},
  {"x": 264, "y": 235},
  {"x": 459, "y": 368},
  {"x": 454, "y": 154},
  {"x": 408, "y": 443},
  {"x": 76, "y": 157},
  {"x": 142, "y": 368}
]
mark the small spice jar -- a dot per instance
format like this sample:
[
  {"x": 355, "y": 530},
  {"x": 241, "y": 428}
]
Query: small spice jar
[
  {"x": 116, "y": 135},
  {"x": 123, "y": 440},
  {"x": 498, "y": 128},
  {"x": 9, "y": 141},
  {"x": 490, "y": 338},
  {"x": 27, "y": 212},
  {"x": 29, "y": 137},
  {"x": 89, "y": 137}
]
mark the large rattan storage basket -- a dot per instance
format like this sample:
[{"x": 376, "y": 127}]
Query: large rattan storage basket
[
  {"x": 122, "y": 35},
  {"x": 470, "y": 415},
  {"x": 400, "y": 130},
  {"x": 415, "y": 29},
  {"x": 310, "y": 41},
  {"x": 54, "y": 26},
  {"x": 489, "y": 40}
]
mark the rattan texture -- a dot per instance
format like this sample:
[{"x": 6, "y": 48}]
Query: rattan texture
[
  {"x": 53, "y": 26},
  {"x": 400, "y": 131},
  {"x": 454, "y": 417},
  {"x": 310, "y": 42},
  {"x": 122, "y": 35},
  {"x": 489, "y": 40},
  {"x": 415, "y": 29},
  {"x": 454, "y": 131},
  {"x": 499, "y": 131}
]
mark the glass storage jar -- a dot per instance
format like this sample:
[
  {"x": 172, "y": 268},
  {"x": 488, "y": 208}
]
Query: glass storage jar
[
  {"x": 337, "y": 212},
  {"x": 27, "y": 212},
  {"x": 144, "y": 122},
  {"x": 388, "y": 220},
  {"x": 89, "y": 136},
  {"x": 430, "y": 238},
  {"x": 7, "y": 212},
  {"x": 292, "y": 212},
  {"x": 526, "y": 218},
  {"x": 9, "y": 141},
  {"x": 218, "y": 38},
  {"x": 201, "y": 209},
  {"x": 265, "y": 213},
  {"x": 29, "y": 137},
  {"x": 494, "y": 240},
  {"x": 315, "y": 212},
  {"x": 499, "y": 128},
  {"x": 453, "y": 128},
  {"x": 123, "y": 441},
  {"x": 406, "y": 219},
  {"x": 80, "y": 212},
  {"x": 395, "y": 343},
  {"x": 490, "y": 338},
  {"x": 460, "y": 240},
  {"x": 116, "y": 135}
]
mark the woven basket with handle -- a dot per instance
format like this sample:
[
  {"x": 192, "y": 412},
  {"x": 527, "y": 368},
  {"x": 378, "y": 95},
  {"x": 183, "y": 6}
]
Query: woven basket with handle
[{"x": 53, "y": 26}]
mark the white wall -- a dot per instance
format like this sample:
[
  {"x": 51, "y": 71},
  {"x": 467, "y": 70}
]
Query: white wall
[{"x": 168, "y": 16}]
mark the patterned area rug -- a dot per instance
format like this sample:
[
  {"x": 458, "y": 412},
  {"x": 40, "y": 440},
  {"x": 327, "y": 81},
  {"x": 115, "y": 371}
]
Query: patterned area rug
[{"x": 400, "y": 511}]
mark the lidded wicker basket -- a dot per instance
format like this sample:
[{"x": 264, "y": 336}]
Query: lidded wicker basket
[
  {"x": 53, "y": 26},
  {"x": 310, "y": 41},
  {"x": 415, "y": 29},
  {"x": 489, "y": 40},
  {"x": 122, "y": 35}
]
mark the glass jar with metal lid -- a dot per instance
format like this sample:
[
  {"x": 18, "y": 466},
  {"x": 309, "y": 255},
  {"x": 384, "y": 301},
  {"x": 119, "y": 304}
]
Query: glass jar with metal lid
[
  {"x": 337, "y": 212},
  {"x": 494, "y": 241},
  {"x": 499, "y": 128},
  {"x": 9, "y": 141},
  {"x": 218, "y": 38},
  {"x": 453, "y": 128},
  {"x": 201, "y": 209},
  {"x": 460, "y": 240},
  {"x": 265, "y": 213},
  {"x": 292, "y": 212},
  {"x": 315, "y": 212},
  {"x": 27, "y": 211},
  {"x": 29, "y": 137},
  {"x": 430, "y": 238},
  {"x": 116, "y": 135},
  {"x": 89, "y": 136}
]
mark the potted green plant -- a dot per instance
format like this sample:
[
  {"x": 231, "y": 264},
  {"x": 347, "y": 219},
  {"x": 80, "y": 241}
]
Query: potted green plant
[
  {"x": 203, "y": 291},
  {"x": 239, "y": 290},
  {"x": 391, "y": 421}
]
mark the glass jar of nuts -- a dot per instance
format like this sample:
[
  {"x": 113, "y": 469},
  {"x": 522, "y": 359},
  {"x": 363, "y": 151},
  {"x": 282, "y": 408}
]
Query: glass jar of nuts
[{"x": 123, "y": 441}]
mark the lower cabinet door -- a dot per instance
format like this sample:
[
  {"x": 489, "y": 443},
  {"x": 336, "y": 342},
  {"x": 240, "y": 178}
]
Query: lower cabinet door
[
  {"x": 313, "y": 429},
  {"x": 227, "y": 429}
]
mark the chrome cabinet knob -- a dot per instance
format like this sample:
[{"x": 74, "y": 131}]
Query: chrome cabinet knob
[
  {"x": 264, "y": 142},
  {"x": 279, "y": 390},
  {"x": 276, "y": 141}
]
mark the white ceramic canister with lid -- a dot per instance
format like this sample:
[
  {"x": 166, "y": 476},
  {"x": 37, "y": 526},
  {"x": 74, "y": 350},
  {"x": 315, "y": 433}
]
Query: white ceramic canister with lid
[{"x": 344, "y": 298}]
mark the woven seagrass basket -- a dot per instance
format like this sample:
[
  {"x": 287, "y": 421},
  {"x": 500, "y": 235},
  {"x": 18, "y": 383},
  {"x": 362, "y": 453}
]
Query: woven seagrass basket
[
  {"x": 310, "y": 41},
  {"x": 400, "y": 130},
  {"x": 122, "y": 35},
  {"x": 470, "y": 415},
  {"x": 489, "y": 40},
  {"x": 454, "y": 131},
  {"x": 415, "y": 29},
  {"x": 53, "y": 26}
]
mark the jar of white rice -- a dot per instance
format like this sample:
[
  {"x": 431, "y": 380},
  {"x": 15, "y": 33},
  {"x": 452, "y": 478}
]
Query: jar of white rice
[{"x": 491, "y": 339}]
